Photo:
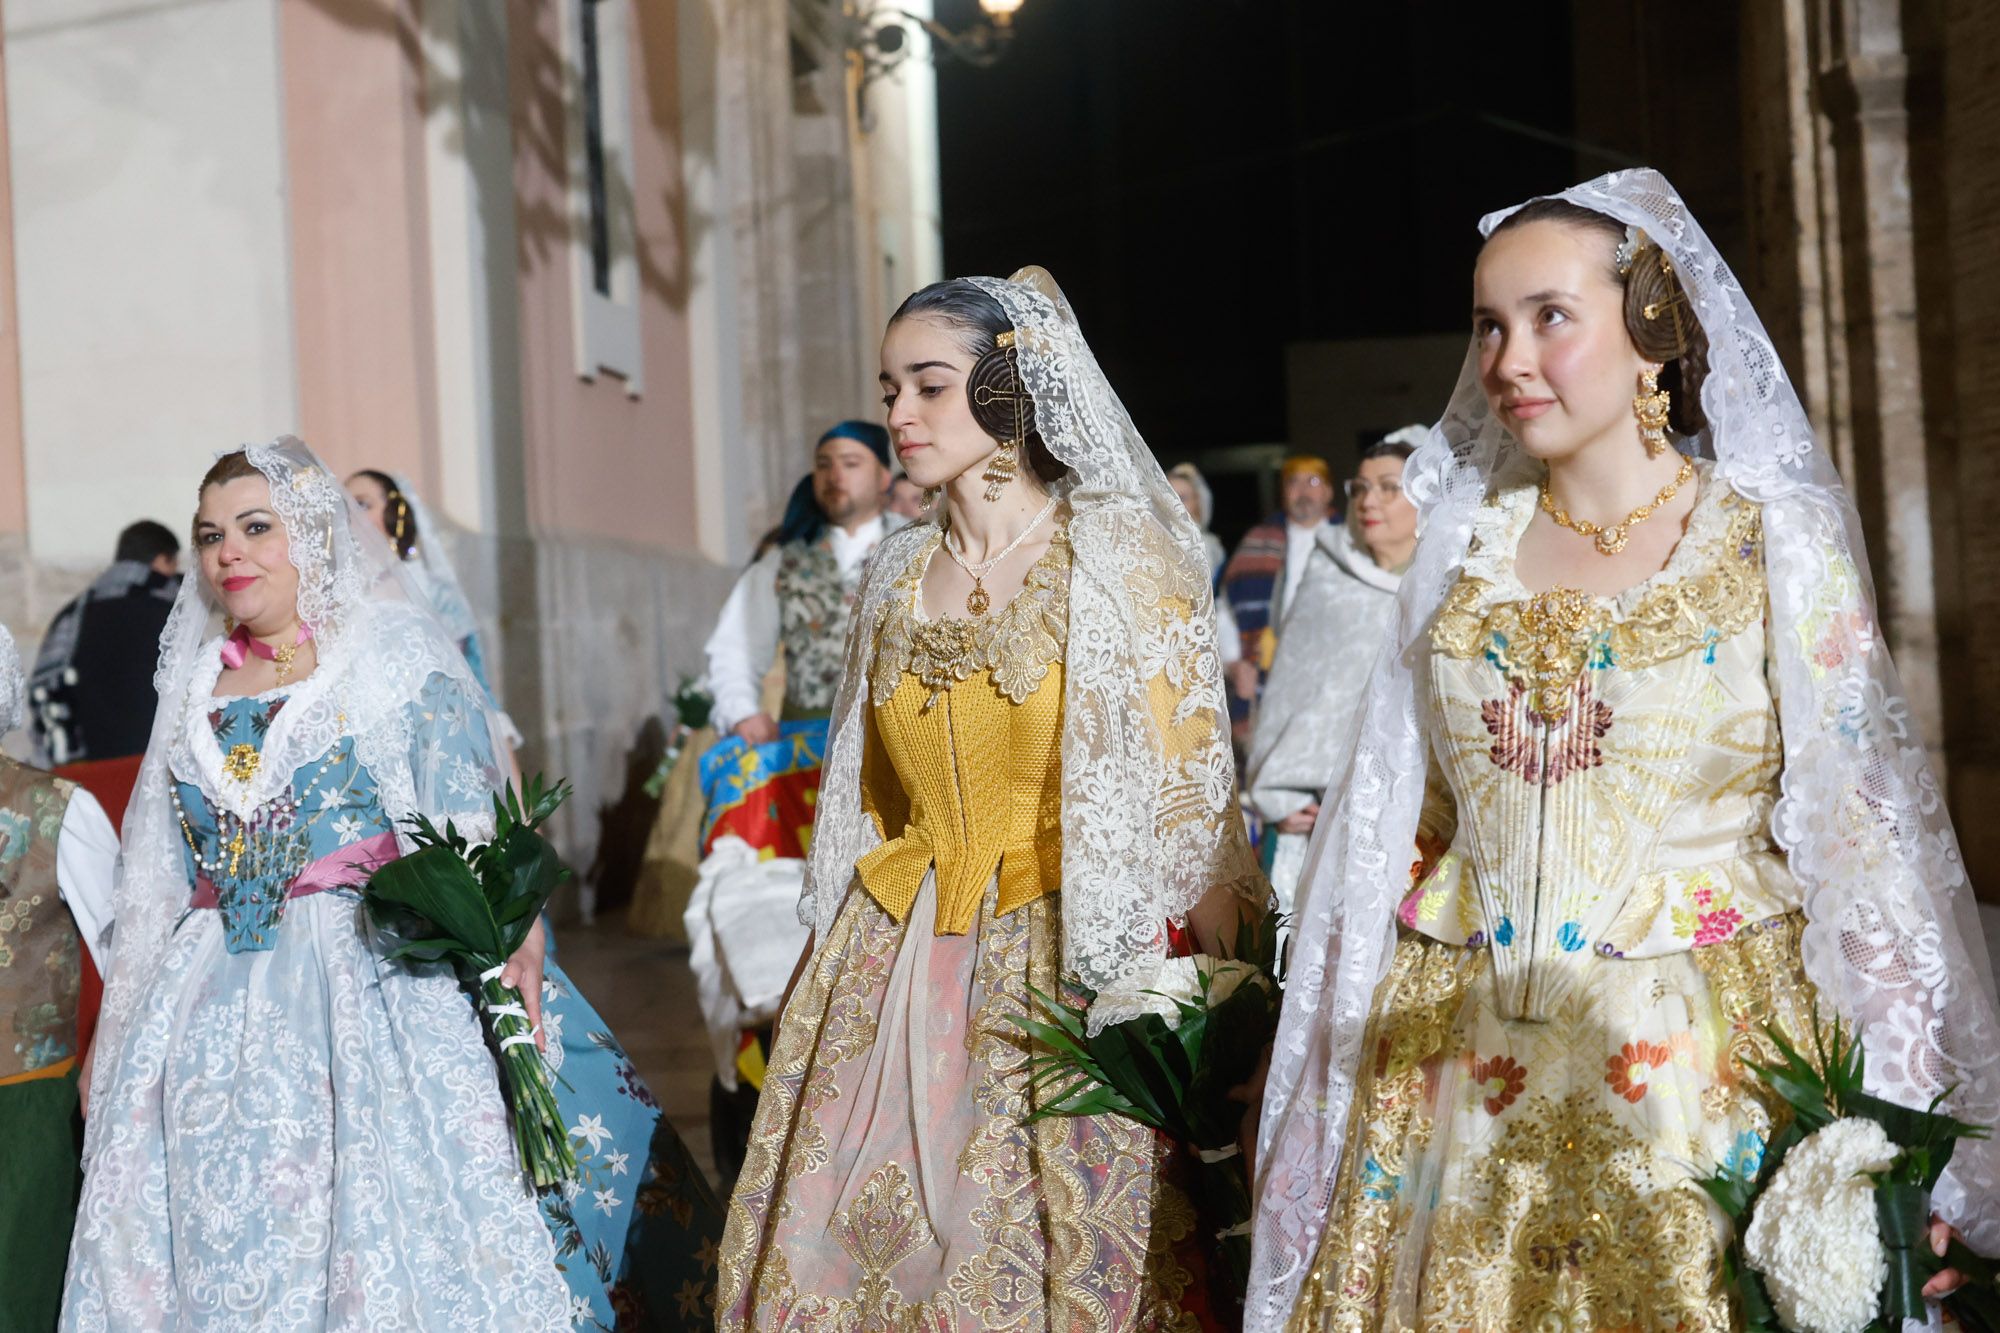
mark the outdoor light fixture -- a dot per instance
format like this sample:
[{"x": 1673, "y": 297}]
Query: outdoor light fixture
[{"x": 877, "y": 37}]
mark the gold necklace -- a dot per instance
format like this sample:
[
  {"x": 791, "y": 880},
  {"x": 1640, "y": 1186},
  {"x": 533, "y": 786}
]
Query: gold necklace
[
  {"x": 1611, "y": 540},
  {"x": 978, "y": 601}
]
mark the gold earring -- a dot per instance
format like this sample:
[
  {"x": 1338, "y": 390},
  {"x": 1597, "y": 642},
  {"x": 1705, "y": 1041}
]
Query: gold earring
[
  {"x": 1651, "y": 408},
  {"x": 1003, "y": 468}
]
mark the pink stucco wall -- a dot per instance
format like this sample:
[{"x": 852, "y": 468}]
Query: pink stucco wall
[
  {"x": 601, "y": 464},
  {"x": 360, "y": 264}
]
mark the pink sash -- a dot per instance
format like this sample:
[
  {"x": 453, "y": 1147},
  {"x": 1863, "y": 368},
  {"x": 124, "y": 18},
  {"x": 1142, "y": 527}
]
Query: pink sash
[{"x": 347, "y": 868}]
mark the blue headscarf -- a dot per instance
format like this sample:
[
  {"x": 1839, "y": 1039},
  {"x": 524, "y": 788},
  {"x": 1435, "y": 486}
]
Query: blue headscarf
[
  {"x": 864, "y": 433},
  {"x": 804, "y": 520}
]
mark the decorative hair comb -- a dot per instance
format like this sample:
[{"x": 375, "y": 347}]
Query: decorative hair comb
[{"x": 1634, "y": 239}]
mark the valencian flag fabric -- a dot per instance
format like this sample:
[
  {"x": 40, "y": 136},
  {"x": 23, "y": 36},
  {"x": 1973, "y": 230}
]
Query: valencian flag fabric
[{"x": 764, "y": 794}]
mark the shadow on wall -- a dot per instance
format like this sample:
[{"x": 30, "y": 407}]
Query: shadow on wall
[{"x": 540, "y": 82}]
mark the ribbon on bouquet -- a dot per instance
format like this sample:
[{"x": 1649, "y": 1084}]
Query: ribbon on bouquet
[{"x": 507, "y": 1011}]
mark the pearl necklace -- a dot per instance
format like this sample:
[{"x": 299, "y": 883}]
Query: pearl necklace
[
  {"x": 278, "y": 811},
  {"x": 977, "y": 602}
]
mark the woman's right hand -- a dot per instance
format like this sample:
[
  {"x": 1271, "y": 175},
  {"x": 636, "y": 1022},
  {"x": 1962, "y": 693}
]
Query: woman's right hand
[{"x": 757, "y": 729}]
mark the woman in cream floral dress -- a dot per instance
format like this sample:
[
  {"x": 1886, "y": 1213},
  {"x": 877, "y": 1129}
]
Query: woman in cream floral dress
[{"x": 1638, "y": 726}]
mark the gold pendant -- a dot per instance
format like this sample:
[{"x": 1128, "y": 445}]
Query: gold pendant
[
  {"x": 283, "y": 657},
  {"x": 236, "y": 850},
  {"x": 242, "y": 763},
  {"x": 977, "y": 603},
  {"x": 1612, "y": 540}
]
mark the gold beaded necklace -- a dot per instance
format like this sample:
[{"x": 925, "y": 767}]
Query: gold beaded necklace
[{"x": 1611, "y": 540}]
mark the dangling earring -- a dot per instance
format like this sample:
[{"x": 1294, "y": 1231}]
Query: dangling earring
[
  {"x": 1003, "y": 468},
  {"x": 1651, "y": 408}
]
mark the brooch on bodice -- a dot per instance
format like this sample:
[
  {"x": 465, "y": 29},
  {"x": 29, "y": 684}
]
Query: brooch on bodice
[{"x": 242, "y": 762}]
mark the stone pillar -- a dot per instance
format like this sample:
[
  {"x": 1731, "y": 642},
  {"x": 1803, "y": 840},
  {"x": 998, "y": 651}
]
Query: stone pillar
[{"x": 1866, "y": 89}]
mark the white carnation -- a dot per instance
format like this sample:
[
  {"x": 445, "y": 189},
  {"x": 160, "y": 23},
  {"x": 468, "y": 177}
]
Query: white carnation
[{"x": 1814, "y": 1236}]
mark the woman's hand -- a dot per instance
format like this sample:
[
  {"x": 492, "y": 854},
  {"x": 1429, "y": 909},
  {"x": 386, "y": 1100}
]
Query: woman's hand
[
  {"x": 1300, "y": 821},
  {"x": 1251, "y": 1093},
  {"x": 524, "y": 973},
  {"x": 1950, "y": 1279}
]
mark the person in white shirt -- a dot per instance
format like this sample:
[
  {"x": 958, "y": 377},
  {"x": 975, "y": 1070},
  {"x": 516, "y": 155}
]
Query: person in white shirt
[
  {"x": 58, "y": 860},
  {"x": 799, "y": 593}
]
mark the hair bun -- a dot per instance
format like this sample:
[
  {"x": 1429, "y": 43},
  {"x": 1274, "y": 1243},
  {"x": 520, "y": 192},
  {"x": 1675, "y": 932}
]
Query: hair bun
[{"x": 1000, "y": 404}]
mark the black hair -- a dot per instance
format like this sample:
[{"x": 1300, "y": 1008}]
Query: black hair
[
  {"x": 398, "y": 515},
  {"x": 804, "y": 520},
  {"x": 146, "y": 541}
]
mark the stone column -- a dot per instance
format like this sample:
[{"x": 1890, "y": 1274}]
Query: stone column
[{"x": 1866, "y": 90}]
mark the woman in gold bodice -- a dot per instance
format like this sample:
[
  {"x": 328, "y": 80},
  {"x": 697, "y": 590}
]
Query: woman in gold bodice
[
  {"x": 1028, "y": 784},
  {"x": 1635, "y": 787}
]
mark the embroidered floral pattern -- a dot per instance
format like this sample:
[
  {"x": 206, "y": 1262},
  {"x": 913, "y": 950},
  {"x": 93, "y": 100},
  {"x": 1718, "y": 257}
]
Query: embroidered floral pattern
[
  {"x": 1631, "y": 1070},
  {"x": 814, "y": 602},
  {"x": 1498, "y": 1082},
  {"x": 1018, "y": 643},
  {"x": 1549, "y": 1196}
]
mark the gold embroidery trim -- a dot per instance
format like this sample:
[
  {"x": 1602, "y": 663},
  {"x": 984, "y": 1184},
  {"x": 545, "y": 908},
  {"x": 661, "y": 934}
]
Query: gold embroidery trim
[
  {"x": 1018, "y": 646},
  {"x": 1547, "y": 641}
]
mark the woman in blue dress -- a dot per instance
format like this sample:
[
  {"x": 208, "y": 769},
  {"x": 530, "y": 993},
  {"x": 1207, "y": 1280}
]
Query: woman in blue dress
[{"x": 290, "y": 1131}]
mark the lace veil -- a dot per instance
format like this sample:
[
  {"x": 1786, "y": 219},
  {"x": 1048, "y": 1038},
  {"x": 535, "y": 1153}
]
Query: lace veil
[
  {"x": 1149, "y": 817},
  {"x": 1893, "y": 938},
  {"x": 13, "y": 685},
  {"x": 381, "y": 650}
]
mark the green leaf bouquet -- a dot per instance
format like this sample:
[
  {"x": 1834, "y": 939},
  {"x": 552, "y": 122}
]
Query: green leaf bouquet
[{"x": 474, "y": 905}]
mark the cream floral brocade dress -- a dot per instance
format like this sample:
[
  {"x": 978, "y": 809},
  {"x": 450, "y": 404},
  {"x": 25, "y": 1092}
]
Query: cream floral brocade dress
[
  {"x": 890, "y": 1184},
  {"x": 1601, "y": 929}
]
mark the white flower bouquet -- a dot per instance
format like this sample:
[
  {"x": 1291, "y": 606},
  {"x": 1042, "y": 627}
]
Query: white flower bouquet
[{"x": 1838, "y": 1210}]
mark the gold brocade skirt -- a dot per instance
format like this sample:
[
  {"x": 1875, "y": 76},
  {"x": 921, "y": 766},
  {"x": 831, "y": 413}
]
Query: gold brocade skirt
[
  {"x": 1501, "y": 1174},
  {"x": 890, "y": 1186}
]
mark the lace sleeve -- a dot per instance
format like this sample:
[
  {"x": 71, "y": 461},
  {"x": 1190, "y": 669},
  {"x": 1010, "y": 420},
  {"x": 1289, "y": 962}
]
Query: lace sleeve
[{"x": 454, "y": 766}]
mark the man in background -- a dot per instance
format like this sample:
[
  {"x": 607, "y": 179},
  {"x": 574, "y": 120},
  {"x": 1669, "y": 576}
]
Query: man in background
[
  {"x": 91, "y": 693},
  {"x": 1264, "y": 574}
]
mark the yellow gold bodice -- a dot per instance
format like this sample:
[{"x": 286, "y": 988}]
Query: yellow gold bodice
[{"x": 963, "y": 766}]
